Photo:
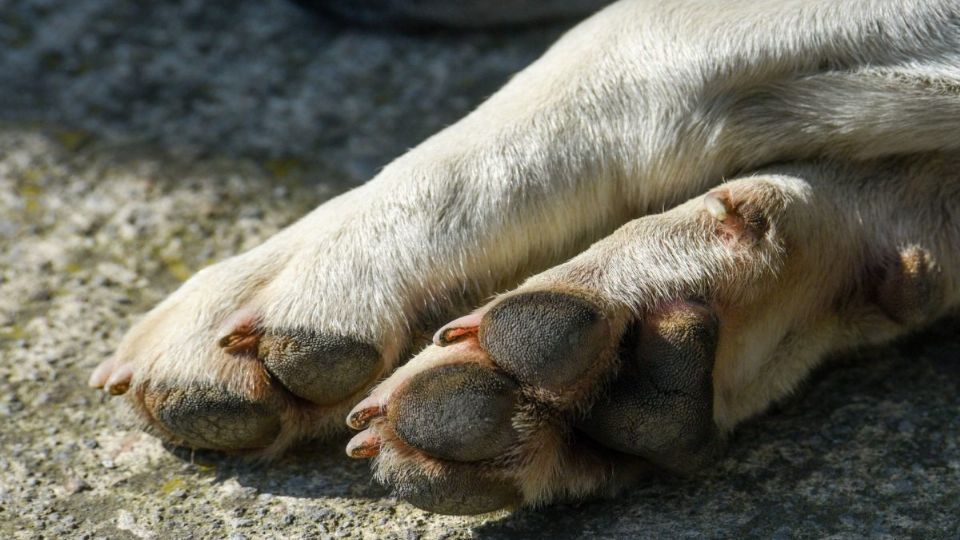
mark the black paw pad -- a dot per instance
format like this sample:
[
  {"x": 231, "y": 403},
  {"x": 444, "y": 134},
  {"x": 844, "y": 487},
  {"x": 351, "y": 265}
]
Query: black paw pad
[
  {"x": 661, "y": 405},
  {"x": 213, "y": 418},
  {"x": 545, "y": 339},
  {"x": 319, "y": 367},
  {"x": 458, "y": 412}
]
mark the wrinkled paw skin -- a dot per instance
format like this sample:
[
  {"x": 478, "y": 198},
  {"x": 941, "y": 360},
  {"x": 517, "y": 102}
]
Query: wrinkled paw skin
[
  {"x": 322, "y": 369},
  {"x": 252, "y": 390},
  {"x": 497, "y": 418},
  {"x": 661, "y": 405}
]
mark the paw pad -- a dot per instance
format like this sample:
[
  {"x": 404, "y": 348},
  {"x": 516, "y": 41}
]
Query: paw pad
[
  {"x": 211, "y": 417},
  {"x": 490, "y": 419},
  {"x": 547, "y": 339},
  {"x": 321, "y": 368},
  {"x": 661, "y": 405},
  {"x": 459, "y": 412}
]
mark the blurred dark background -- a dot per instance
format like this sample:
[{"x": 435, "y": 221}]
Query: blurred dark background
[{"x": 346, "y": 84}]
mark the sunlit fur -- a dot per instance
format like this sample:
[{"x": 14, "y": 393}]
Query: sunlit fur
[{"x": 642, "y": 106}]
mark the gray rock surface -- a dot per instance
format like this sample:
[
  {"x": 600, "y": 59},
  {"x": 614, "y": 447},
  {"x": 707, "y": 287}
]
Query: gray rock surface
[{"x": 140, "y": 141}]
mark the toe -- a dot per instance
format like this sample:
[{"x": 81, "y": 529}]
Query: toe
[
  {"x": 365, "y": 444},
  {"x": 363, "y": 413},
  {"x": 206, "y": 416},
  {"x": 119, "y": 381},
  {"x": 322, "y": 368},
  {"x": 102, "y": 372},
  {"x": 545, "y": 339},
  {"x": 459, "y": 412}
]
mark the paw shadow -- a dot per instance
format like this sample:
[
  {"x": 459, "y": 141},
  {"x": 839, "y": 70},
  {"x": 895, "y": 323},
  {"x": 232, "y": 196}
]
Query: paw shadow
[{"x": 313, "y": 470}]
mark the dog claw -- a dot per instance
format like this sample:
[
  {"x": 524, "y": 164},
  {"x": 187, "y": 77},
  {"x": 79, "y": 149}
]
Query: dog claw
[
  {"x": 716, "y": 206},
  {"x": 365, "y": 444},
  {"x": 118, "y": 389},
  {"x": 243, "y": 335},
  {"x": 119, "y": 381},
  {"x": 100, "y": 375},
  {"x": 458, "y": 329},
  {"x": 363, "y": 413},
  {"x": 240, "y": 342},
  {"x": 111, "y": 377}
]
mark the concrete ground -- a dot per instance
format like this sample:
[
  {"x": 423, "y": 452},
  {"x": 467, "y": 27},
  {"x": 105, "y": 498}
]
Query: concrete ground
[{"x": 140, "y": 141}]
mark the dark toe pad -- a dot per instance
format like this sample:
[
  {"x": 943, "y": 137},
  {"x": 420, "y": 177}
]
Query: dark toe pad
[
  {"x": 458, "y": 412},
  {"x": 322, "y": 368},
  {"x": 545, "y": 339},
  {"x": 911, "y": 291},
  {"x": 210, "y": 417},
  {"x": 456, "y": 491}
]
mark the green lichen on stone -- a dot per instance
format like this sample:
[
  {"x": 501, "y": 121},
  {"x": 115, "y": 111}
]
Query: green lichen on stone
[
  {"x": 73, "y": 139},
  {"x": 282, "y": 168}
]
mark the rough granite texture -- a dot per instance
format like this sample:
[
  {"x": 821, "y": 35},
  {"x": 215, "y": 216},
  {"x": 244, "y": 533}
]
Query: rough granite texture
[{"x": 140, "y": 141}]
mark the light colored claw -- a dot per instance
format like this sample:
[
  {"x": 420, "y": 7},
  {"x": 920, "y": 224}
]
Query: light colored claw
[
  {"x": 241, "y": 332},
  {"x": 113, "y": 377},
  {"x": 100, "y": 375},
  {"x": 716, "y": 207},
  {"x": 459, "y": 329}
]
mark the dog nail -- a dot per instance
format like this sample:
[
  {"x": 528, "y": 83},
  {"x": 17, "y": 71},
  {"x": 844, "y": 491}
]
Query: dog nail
[
  {"x": 360, "y": 416},
  {"x": 365, "y": 444},
  {"x": 716, "y": 207},
  {"x": 119, "y": 381}
]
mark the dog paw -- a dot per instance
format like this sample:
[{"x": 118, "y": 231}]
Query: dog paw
[
  {"x": 271, "y": 346},
  {"x": 216, "y": 366},
  {"x": 641, "y": 353},
  {"x": 508, "y": 413},
  {"x": 586, "y": 376}
]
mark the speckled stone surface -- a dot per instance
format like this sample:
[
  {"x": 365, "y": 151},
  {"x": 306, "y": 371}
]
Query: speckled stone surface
[{"x": 140, "y": 141}]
